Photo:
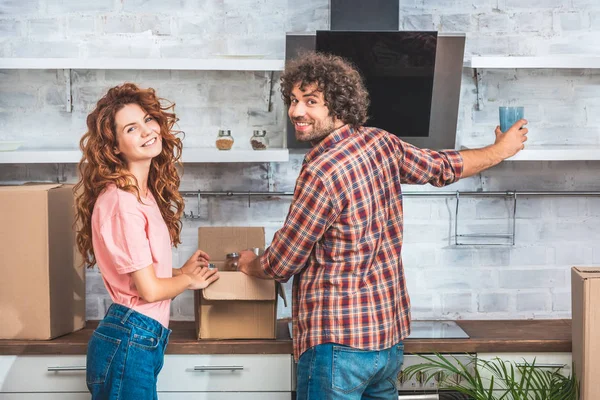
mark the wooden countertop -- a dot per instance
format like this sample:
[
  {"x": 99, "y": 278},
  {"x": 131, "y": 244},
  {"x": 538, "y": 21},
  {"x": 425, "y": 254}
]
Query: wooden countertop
[{"x": 485, "y": 336}]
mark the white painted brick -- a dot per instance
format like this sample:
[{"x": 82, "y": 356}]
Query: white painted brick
[
  {"x": 117, "y": 24},
  {"x": 10, "y": 28},
  {"x": 159, "y": 7},
  {"x": 571, "y": 21},
  {"x": 12, "y": 99},
  {"x": 457, "y": 303},
  {"x": 81, "y": 6},
  {"x": 566, "y": 207},
  {"x": 158, "y": 25},
  {"x": 536, "y": 301},
  {"x": 50, "y": 49},
  {"x": 593, "y": 206},
  {"x": 531, "y": 255},
  {"x": 307, "y": 16},
  {"x": 535, "y": 4},
  {"x": 48, "y": 28},
  {"x": 19, "y": 7},
  {"x": 421, "y": 303},
  {"x": 493, "y": 22},
  {"x": 130, "y": 48},
  {"x": 455, "y": 257},
  {"x": 453, "y": 279},
  {"x": 535, "y": 22},
  {"x": 595, "y": 20},
  {"x": 596, "y": 255},
  {"x": 561, "y": 300},
  {"x": 412, "y": 255},
  {"x": 493, "y": 302},
  {"x": 493, "y": 257},
  {"x": 418, "y": 22},
  {"x": 574, "y": 254},
  {"x": 531, "y": 278},
  {"x": 80, "y": 25}
]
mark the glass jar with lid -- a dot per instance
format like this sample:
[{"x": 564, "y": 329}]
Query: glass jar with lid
[
  {"x": 231, "y": 262},
  {"x": 224, "y": 140},
  {"x": 259, "y": 140}
]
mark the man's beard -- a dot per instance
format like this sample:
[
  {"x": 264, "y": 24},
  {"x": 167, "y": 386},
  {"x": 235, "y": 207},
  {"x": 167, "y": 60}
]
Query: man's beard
[{"x": 319, "y": 130}]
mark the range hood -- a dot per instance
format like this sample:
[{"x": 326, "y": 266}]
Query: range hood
[{"x": 413, "y": 78}]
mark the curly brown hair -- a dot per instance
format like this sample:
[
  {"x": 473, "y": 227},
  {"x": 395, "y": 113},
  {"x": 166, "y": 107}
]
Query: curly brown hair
[
  {"x": 342, "y": 86},
  {"x": 100, "y": 166}
]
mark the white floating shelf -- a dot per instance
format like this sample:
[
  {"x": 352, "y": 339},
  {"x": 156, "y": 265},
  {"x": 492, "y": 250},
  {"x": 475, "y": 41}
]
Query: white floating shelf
[
  {"x": 554, "y": 153},
  {"x": 541, "y": 62},
  {"x": 190, "y": 155},
  {"x": 557, "y": 153},
  {"x": 214, "y": 64}
]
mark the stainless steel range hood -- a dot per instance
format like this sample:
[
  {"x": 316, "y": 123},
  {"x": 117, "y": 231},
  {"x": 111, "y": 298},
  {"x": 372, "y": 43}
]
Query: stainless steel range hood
[{"x": 435, "y": 118}]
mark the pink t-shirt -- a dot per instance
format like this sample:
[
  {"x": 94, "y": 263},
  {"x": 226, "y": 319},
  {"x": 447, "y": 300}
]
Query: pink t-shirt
[{"x": 128, "y": 236}]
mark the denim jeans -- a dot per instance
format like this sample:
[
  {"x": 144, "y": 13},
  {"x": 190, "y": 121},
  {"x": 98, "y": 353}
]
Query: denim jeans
[
  {"x": 125, "y": 355},
  {"x": 331, "y": 371}
]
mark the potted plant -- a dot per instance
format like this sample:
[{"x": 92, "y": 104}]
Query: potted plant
[{"x": 496, "y": 379}]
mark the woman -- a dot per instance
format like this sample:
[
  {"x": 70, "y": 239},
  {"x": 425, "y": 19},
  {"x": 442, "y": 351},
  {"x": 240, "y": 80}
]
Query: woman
[{"x": 128, "y": 210}]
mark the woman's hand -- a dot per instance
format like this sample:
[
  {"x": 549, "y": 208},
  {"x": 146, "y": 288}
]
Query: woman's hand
[
  {"x": 202, "y": 277},
  {"x": 198, "y": 259}
]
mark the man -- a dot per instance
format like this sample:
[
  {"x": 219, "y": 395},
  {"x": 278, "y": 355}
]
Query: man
[{"x": 342, "y": 238}]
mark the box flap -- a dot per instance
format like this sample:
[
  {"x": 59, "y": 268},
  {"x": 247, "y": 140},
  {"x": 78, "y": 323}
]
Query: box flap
[
  {"x": 587, "y": 272},
  {"x": 30, "y": 188},
  {"x": 234, "y": 285},
  {"x": 218, "y": 241}
]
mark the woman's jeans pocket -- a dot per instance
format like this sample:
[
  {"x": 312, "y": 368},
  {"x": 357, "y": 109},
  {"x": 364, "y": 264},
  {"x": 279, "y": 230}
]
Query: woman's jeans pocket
[
  {"x": 353, "y": 368},
  {"x": 103, "y": 348}
]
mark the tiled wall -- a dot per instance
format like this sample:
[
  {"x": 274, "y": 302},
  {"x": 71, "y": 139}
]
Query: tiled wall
[{"x": 528, "y": 280}]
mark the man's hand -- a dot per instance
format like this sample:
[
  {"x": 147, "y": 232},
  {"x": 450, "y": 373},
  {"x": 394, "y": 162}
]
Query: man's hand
[
  {"x": 249, "y": 264},
  {"x": 513, "y": 140},
  {"x": 246, "y": 259}
]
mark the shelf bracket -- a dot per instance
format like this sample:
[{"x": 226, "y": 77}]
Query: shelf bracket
[
  {"x": 269, "y": 90},
  {"x": 478, "y": 89},
  {"x": 69, "y": 102},
  {"x": 270, "y": 178},
  {"x": 505, "y": 238}
]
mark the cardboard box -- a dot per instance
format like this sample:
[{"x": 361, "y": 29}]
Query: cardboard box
[
  {"x": 585, "y": 296},
  {"x": 42, "y": 286},
  {"x": 236, "y": 306}
]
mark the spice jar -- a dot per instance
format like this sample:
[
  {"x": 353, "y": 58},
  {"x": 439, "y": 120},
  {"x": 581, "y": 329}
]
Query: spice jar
[
  {"x": 224, "y": 140},
  {"x": 231, "y": 262},
  {"x": 259, "y": 140}
]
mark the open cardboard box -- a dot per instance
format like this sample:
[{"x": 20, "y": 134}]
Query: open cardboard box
[
  {"x": 236, "y": 306},
  {"x": 42, "y": 289},
  {"x": 585, "y": 325}
]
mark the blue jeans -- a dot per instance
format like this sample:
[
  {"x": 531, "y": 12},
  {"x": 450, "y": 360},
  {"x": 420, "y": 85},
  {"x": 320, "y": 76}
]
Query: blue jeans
[
  {"x": 125, "y": 355},
  {"x": 331, "y": 371}
]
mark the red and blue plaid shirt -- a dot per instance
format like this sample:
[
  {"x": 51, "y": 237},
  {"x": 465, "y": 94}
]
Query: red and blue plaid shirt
[{"x": 342, "y": 238}]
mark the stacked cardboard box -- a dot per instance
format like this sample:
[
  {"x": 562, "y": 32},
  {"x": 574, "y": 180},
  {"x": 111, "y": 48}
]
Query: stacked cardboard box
[
  {"x": 585, "y": 295},
  {"x": 42, "y": 289}
]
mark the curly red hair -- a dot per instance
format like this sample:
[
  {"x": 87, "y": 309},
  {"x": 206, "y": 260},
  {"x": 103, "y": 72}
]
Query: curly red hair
[{"x": 100, "y": 166}]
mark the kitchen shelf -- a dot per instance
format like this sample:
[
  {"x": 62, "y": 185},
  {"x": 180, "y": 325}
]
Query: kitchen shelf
[
  {"x": 519, "y": 62},
  {"x": 214, "y": 64},
  {"x": 555, "y": 153},
  {"x": 191, "y": 155},
  {"x": 542, "y": 62}
]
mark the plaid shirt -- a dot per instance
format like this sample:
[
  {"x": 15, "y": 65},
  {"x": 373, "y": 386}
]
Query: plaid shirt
[{"x": 342, "y": 238}]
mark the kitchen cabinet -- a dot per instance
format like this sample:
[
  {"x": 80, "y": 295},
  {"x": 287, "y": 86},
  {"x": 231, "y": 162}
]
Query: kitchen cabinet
[
  {"x": 548, "y": 361},
  {"x": 210, "y": 377}
]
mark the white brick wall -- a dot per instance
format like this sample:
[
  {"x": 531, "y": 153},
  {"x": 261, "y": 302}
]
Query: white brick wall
[{"x": 528, "y": 280}]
